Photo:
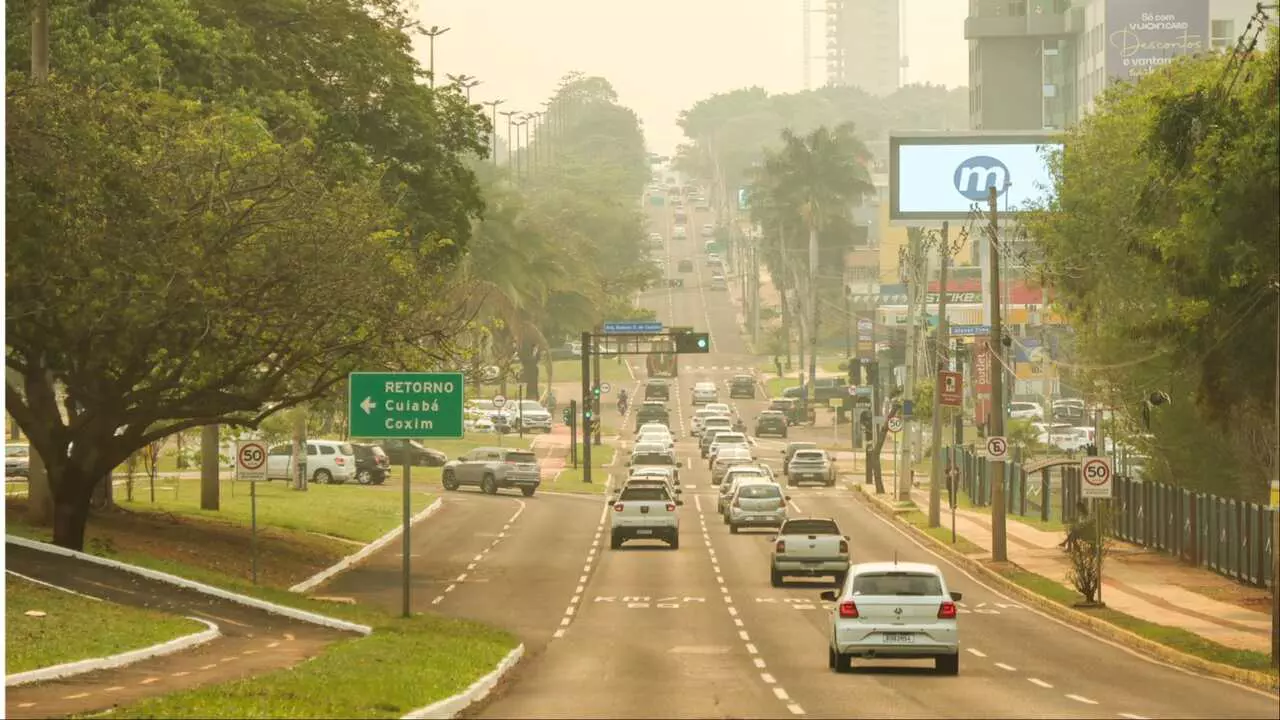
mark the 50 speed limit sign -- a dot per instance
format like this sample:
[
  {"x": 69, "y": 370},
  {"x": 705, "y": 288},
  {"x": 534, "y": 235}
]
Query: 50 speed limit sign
[
  {"x": 251, "y": 461},
  {"x": 1095, "y": 478}
]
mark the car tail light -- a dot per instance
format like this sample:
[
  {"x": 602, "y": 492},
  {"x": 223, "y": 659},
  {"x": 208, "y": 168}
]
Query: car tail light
[
  {"x": 617, "y": 508},
  {"x": 947, "y": 611},
  {"x": 844, "y": 547},
  {"x": 671, "y": 507},
  {"x": 780, "y": 546},
  {"x": 848, "y": 609},
  {"x": 340, "y": 460}
]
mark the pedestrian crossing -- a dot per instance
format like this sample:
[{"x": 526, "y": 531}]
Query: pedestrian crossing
[{"x": 723, "y": 368}]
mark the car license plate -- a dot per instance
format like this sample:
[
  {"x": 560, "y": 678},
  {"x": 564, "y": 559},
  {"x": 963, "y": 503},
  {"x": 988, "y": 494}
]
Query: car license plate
[
  {"x": 644, "y": 532},
  {"x": 899, "y": 638}
]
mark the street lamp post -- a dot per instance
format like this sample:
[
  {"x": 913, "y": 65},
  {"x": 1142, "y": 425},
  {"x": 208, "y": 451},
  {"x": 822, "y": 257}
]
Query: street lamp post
[
  {"x": 434, "y": 32},
  {"x": 509, "y": 114},
  {"x": 464, "y": 82},
  {"x": 518, "y": 125},
  {"x": 493, "y": 107}
]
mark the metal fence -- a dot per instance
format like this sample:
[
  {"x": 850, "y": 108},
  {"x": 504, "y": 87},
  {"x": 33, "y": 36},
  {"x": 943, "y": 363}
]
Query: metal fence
[{"x": 1230, "y": 537}]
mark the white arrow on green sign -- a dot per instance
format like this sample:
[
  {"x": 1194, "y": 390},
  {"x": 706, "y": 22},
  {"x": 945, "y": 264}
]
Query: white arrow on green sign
[{"x": 405, "y": 405}]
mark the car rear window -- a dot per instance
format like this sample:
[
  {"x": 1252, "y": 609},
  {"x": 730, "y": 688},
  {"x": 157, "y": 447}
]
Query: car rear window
[
  {"x": 897, "y": 583},
  {"x": 656, "y": 494},
  {"x": 815, "y": 455},
  {"x": 759, "y": 492},
  {"x": 810, "y": 527},
  {"x": 723, "y": 438},
  {"x": 651, "y": 459},
  {"x": 521, "y": 457}
]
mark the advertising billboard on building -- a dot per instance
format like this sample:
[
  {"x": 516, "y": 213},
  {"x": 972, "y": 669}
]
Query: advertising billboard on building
[
  {"x": 940, "y": 176},
  {"x": 1142, "y": 35}
]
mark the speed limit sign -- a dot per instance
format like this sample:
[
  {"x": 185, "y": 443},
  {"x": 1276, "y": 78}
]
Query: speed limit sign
[
  {"x": 1095, "y": 478},
  {"x": 895, "y": 424},
  {"x": 251, "y": 461}
]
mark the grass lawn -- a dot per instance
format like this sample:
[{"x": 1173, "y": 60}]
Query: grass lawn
[
  {"x": 1176, "y": 638},
  {"x": 920, "y": 520},
  {"x": 1053, "y": 524},
  {"x": 77, "y": 628},
  {"x": 348, "y": 511},
  {"x": 775, "y": 385},
  {"x": 570, "y": 481},
  {"x": 405, "y": 664}
]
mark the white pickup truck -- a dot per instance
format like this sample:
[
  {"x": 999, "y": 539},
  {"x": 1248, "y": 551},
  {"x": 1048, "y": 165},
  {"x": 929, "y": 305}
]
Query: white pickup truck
[
  {"x": 809, "y": 547},
  {"x": 644, "y": 513}
]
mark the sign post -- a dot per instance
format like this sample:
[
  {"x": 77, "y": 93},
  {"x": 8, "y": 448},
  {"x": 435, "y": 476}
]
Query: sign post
[
  {"x": 405, "y": 405},
  {"x": 251, "y": 466},
  {"x": 1095, "y": 484}
]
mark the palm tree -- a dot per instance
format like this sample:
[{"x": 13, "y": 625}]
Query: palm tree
[{"x": 819, "y": 177}]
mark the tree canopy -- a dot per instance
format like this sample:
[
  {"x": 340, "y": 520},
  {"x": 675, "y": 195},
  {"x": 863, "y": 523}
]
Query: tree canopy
[{"x": 1160, "y": 246}]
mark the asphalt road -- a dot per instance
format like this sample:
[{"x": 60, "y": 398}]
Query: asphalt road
[{"x": 698, "y": 632}]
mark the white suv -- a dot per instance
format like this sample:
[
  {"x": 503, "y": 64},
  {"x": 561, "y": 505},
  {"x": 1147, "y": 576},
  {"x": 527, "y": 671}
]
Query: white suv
[
  {"x": 328, "y": 461},
  {"x": 527, "y": 414}
]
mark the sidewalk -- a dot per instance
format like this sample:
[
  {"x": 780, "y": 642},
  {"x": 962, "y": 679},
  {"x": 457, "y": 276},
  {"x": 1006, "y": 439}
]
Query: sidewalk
[{"x": 1137, "y": 581}]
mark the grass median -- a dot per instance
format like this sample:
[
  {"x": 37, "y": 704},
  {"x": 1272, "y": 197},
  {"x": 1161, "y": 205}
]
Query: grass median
[
  {"x": 74, "y": 628},
  {"x": 1176, "y": 638},
  {"x": 404, "y": 665},
  {"x": 354, "y": 512},
  {"x": 570, "y": 479}
]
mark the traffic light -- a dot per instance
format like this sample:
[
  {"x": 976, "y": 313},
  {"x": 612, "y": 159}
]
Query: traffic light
[
  {"x": 873, "y": 373},
  {"x": 865, "y": 417},
  {"x": 855, "y": 371},
  {"x": 693, "y": 343},
  {"x": 566, "y": 415}
]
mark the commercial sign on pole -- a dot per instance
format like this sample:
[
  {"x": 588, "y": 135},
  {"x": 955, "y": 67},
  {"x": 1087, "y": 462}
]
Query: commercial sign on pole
[
  {"x": 981, "y": 368},
  {"x": 952, "y": 389},
  {"x": 866, "y": 336},
  {"x": 1142, "y": 35}
]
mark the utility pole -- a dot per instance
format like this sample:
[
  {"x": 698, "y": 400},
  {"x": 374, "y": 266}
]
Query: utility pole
[
  {"x": 210, "y": 468},
  {"x": 434, "y": 32},
  {"x": 521, "y": 151},
  {"x": 813, "y": 312},
  {"x": 939, "y": 364},
  {"x": 913, "y": 278},
  {"x": 509, "y": 114},
  {"x": 755, "y": 289},
  {"x": 999, "y": 546},
  {"x": 1275, "y": 513},
  {"x": 493, "y": 108}
]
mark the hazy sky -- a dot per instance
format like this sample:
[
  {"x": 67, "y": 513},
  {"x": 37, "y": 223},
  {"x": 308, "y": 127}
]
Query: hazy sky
[{"x": 661, "y": 55}]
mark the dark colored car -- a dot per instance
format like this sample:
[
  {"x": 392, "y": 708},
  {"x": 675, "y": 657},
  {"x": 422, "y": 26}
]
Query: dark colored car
[
  {"x": 418, "y": 453},
  {"x": 742, "y": 386},
  {"x": 771, "y": 422},
  {"x": 372, "y": 464},
  {"x": 685, "y": 266},
  {"x": 824, "y": 389},
  {"x": 657, "y": 390},
  {"x": 652, "y": 411},
  {"x": 789, "y": 407}
]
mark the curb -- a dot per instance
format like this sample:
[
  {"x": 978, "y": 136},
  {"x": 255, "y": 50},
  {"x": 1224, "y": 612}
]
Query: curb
[
  {"x": 364, "y": 552},
  {"x": 1163, "y": 653},
  {"x": 451, "y": 706},
  {"x": 156, "y": 575},
  {"x": 79, "y": 667}
]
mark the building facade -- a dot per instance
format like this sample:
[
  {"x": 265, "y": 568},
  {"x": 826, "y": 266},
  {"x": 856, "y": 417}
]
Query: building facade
[
  {"x": 1042, "y": 64},
  {"x": 863, "y": 45}
]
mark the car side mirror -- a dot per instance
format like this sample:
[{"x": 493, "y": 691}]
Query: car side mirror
[
  {"x": 957, "y": 597},
  {"x": 846, "y": 537},
  {"x": 828, "y": 595}
]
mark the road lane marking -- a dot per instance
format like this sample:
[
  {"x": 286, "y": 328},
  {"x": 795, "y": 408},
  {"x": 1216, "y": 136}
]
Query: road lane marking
[
  {"x": 1082, "y": 699},
  {"x": 733, "y": 610},
  {"x": 147, "y": 681},
  {"x": 759, "y": 662},
  {"x": 1040, "y": 683},
  {"x": 507, "y": 526},
  {"x": 568, "y": 610},
  {"x": 26, "y": 705},
  {"x": 582, "y": 579},
  {"x": 743, "y": 634},
  {"x": 697, "y": 503},
  {"x": 769, "y": 679},
  {"x": 579, "y": 589},
  {"x": 273, "y": 644},
  {"x": 210, "y": 666},
  {"x": 720, "y": 579},
  {"x": 564, "y": 622},
  {"x": 781, "y": 694},
  {"x": 77, "y": 696},
  {"x": 738, "y": 622},
  {"x": 451, "y": 587},
  {"x": 462, "y": 577},
  {"x": 478, "y": 558},
  {"x": 586, "y": 568},
  {"x": 438, "y": 599},
  {"x": 114, "y": 688},
  {"x": 796, "y": 508},
  {"x": 575, "y": 599},
  {"x": 1131, "y": 716},
  {"x": 795, "y": 709},
  {"x": 500, "y": 535},
  {"x": 180, "y": 673},
  {"x": 472, "y": 566},
  {"x": 558, "y": 633},
  {"x": 752, "y": 649},
  {"x": 249, "y": 652},
  {"x": 976, "y": 653},
  {"x": 1002, "y": 666}
]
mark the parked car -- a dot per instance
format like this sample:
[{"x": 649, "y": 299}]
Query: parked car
[
  {"x": 17, "y": 460},
  {"x": 528, "y": 414},
  {"x": 372, "y": 464},
  {"x": 494, "y": 468},
  {"x": 1026, "y": 411},
  {"x": 328, "y": 462},
  {"x": 419, "y": 454},
  {"x": 824, "y": 389}
]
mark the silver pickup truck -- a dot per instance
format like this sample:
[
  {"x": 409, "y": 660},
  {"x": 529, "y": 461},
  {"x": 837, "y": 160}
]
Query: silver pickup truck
[
  {"x": 809, "y": 547},
  {"x": 644, "y": 513}
]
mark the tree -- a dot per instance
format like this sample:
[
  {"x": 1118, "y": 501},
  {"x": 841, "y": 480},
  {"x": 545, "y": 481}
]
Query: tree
[
  {"x": 172, "y": 265},
  {"x": 1164, "y": 260}
]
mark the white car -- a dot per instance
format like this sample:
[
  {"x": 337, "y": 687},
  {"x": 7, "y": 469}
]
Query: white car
[
  {"x": 680, "y": 233},
  {"x": 726, "y": 440},
  {"x": 652, "y": 427},
  {"x": 1026, "y": 411},
  {"x": 644, "y": 513},
  {"x": 700, "y": 415},
  {"x": 732, "y": 482},
  {"x": 527, "y": 414},
  {"x": 720, "y": 408},
  {"x": 328, "y": 461},
  {"x": 708, "y": 230},
  {"x": 662, "y": 473},
  {"x": 653, "y": 438},
  {"x": 756, "y": 505},
  {"x": 894, "y": 611},
  {"x": 705, "y": 392},
  {"x": 726, "y": 458}
]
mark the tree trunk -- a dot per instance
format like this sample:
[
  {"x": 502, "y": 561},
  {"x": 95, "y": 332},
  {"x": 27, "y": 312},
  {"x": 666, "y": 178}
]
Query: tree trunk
[
  {"x": 71, "y": 508},
  {"x": 209, "y": 485},
  {"x": 873, "y": 457},
  {"x": 182, "y": 455},
  {"x": 529, "y": 370},
  {"x": 786, "y": 327},
  {"x": 300, "y": 471}
]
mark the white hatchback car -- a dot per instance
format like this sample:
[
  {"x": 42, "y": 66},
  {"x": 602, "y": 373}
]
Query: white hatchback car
[
  {"x": 894, "y": 611},
  {"x": 705, "y": 392}
]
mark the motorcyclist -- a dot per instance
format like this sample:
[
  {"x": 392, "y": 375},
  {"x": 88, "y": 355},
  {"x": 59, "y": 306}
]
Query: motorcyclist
[
  {"x": 740, "y": 426},
  {"x": 551, "y": 402},
  {"x": 622, "y": 402}
]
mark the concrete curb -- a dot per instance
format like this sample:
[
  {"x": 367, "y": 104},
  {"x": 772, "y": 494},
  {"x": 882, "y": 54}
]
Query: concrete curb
[
  {"x": 345, "y": 563},
  {"x": 156, "y": 575},
  {"x": 80, "y": 667},
  {"x": 1163, "y": 653},
  {"x": 451, "y": 706}
]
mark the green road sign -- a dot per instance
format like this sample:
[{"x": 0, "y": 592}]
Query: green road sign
[{"x": 405, "y": 405}]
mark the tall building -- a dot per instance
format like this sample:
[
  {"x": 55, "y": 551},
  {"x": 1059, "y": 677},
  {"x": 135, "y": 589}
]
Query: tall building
[
  {"x": 1041, "y": 64},
  {"x": 863, "y": 45}
]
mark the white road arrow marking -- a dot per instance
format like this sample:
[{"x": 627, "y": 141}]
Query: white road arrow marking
[{"x": 368, "y": 405}]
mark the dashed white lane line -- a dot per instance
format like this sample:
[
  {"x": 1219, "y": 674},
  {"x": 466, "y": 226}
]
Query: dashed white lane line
[
  {"x": 77, "y": 696},
  {"x": 149, "y": 680},
  {"x": 796, "y": 507},
  {"x": 273, "y": 644},
  {"x": 976, "y": 653},
  {"x": 478, "y": 558},
  {"x": 558, "y": 633},
  {"x": 471, "y": 566},
  {"x": 1082, "y": 699},
  {"x": 1039, "y": 683},
  {"x": 758, "y": 662},
  {"x": 768, "y": 679},
  {"x": 437, "y": 600},
  {"x": 752, "y": 649},
  {"x": 461, "y": 578},
  {"x": 450, "y": 588},
  {"x": 743, "y": 634},
  {"x": 180, "y": 673},
  {"x": 210, "y": 666},
  {"x": 781, "y": 694},
  {"x": 1003, "y": 666},
  {"x": 1131, "y": 716},
  {"x": 795, "y": 709},
  {"x": 568, "y": 612},
  {"x": 114, "y": 688}
]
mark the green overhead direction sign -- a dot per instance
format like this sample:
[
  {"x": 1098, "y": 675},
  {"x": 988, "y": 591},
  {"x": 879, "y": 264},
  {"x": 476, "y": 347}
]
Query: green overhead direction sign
[{"x": 405, "y": 405}]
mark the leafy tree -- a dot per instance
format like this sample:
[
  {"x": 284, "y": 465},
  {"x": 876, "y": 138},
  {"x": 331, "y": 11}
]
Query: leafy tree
[{"x": 1164, "y": 259}]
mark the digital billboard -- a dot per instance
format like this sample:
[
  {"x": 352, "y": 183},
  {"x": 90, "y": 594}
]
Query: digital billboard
[
  {"x": 939, "y": 176},
  {"x": 1142, "y": 35}
]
